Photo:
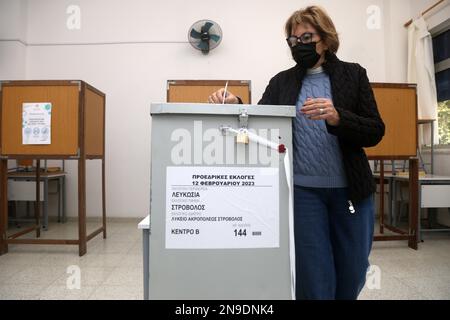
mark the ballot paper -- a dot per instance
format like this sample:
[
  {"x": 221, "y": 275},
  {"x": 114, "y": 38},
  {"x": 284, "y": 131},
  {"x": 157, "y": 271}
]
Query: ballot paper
[
  {"x": 222, "y": 207},
  {"x": 36, "y": 123}
]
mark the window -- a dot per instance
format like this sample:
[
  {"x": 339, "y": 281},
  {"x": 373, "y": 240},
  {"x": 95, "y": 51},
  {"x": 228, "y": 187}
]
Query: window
[
  {"x": 441, "y": 51},
  {"x": 444, "y": 122}
]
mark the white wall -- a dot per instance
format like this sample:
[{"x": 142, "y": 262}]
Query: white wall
[
  {"x": 436, "y": 16},
  {"x": 12, "y": 26},
  {"x": 13, "y": 22},
  {"x": 134, "y": 75}
]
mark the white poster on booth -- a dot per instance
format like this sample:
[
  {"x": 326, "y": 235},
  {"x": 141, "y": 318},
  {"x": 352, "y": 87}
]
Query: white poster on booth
[
  {"x": 36, "y": 123},
  {"x": 222, "y": 208}
]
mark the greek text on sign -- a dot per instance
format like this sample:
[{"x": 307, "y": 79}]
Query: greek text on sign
[
  {"x": 36, "y": 123},
  {"x": 222, "y": 207}
]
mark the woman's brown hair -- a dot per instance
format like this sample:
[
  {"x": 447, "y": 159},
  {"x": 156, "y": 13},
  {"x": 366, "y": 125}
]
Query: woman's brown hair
[{"x": 319, "y": 20}]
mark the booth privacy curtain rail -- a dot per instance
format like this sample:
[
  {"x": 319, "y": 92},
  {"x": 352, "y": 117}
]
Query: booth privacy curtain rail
[{"x": 425, "y": 12}]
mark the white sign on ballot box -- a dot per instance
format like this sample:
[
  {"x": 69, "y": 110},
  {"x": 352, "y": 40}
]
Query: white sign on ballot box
[{"x": 222, "y": 208}]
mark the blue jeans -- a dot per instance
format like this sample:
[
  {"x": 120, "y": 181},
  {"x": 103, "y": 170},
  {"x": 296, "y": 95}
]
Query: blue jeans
[{"x": 332, "y": 245}]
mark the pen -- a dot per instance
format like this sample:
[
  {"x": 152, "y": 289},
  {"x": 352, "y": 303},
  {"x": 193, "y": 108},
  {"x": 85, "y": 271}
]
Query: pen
[{"x": 225, "y": 93}]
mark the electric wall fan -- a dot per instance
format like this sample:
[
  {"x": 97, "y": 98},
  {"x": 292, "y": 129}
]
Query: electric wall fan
[{"x": 205, "y": 35}]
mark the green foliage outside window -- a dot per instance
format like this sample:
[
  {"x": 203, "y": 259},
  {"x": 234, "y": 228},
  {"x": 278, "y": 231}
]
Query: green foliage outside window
[{"x": 444, "y": 122}]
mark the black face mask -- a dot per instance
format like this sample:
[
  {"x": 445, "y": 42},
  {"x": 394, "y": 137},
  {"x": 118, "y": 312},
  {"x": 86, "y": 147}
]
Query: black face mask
[{"x": 305, "y": 54}]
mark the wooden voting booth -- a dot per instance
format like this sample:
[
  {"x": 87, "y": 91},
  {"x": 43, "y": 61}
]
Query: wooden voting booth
[
  {"x": 198, "y": 91},
  {"x": 77, "y": 133},
  {"x": 397, "y": 104}
]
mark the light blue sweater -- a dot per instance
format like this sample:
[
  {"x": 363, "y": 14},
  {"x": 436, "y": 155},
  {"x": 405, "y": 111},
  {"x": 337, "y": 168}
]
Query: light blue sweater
[{"x": 317, "y": 155}]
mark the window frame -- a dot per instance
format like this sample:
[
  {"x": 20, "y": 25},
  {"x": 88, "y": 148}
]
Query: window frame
[{"x": 442, "y": 65}]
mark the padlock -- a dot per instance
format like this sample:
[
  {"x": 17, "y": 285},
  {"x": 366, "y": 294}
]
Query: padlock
[{"x": 242, "y": 137}]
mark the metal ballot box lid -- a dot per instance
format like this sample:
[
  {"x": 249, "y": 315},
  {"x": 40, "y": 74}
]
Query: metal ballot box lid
[
  {"x": 219, "y": 202},
  {"x": 222, "y": 109}
]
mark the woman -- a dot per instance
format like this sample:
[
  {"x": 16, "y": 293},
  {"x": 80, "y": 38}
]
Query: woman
[{"x": 337, "y": 117}]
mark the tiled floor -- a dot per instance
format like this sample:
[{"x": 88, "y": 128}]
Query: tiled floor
[
  {"x": 112, "y": 268},
  {"x": 410, "y": 274}
]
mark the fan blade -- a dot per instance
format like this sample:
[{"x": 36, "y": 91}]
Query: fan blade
[
  {"x": 214, "y": 37},
  {"x": 203, "y": 45},
  {"x": 207, "y": 26},
  {"x": 195, "y": 34}
]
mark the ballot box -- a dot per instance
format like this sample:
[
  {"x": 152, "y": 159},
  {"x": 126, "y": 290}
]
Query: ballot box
[{"x": 221, "y": 202}]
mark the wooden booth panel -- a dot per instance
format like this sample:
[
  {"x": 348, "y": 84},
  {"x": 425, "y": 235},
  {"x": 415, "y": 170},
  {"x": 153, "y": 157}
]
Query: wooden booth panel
[
  {"x": 198, "y": 91},
  {"x": 64, "y": 121},
  {"x": 397, "y": 104},
  {"x": 94, "y": 122}
]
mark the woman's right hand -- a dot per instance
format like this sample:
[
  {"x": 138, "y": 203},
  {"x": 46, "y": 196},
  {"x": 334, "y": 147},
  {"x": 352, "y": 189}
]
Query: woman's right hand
[{"x": 217, "y": 97}]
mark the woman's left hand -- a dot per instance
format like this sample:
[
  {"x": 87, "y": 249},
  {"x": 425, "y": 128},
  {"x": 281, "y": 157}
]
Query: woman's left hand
[{"x": 321, "y": 109}]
